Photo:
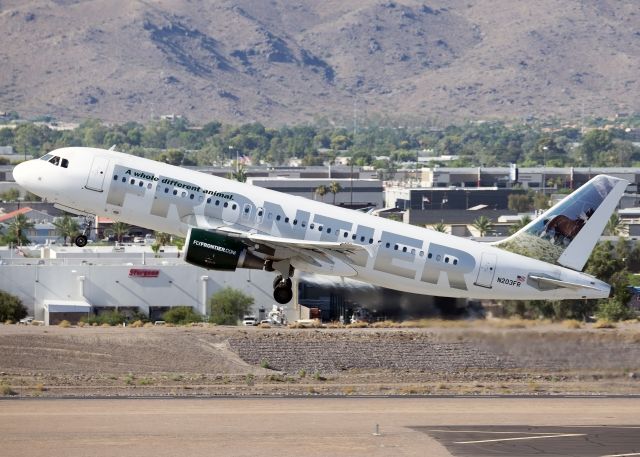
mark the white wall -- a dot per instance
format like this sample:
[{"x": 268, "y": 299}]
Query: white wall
[{"x": 110, "y": 285}]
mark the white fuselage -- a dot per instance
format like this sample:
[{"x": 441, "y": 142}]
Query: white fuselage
[{"x": 399, "y": 256}]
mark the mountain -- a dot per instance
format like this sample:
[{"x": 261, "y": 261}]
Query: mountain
[{"x": 291, "y": 61}]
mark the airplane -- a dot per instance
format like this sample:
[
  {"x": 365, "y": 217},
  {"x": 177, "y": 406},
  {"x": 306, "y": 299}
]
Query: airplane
[{"x": 229, "y": 224}]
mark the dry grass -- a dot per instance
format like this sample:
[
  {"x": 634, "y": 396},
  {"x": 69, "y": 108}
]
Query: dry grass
[
  {"x": 360, "y": 324},
  {"x": 7, "y": 391},
  {"x": 148, "y": 325},
  {"x": 572, "y": 324},
  {"x": 105, "y": 325},
  {"x": 40, "y": 387},
  {"x": 603, "y": 323},
  {"x": 264, "y": 325},
  {"x": 81, "y": 324},
  {"x": 64, "y": 324},
  {"x": 8, "y": 322},
  {"x": 137, "y": 324}
]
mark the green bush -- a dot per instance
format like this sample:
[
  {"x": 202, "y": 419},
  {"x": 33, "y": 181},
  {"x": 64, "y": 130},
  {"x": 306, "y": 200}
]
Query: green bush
[
  {"x": 613, "y": 311},
  {"x": 181, "y": 315},
  {"x": 228, "y": 305},
  {"x": 11, "y": 308},
  {"x": 110, "y": 317}
]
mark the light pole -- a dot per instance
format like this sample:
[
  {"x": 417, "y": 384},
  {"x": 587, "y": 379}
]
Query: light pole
[
  {"x": 544, "y": 168},
  {"x": 231, "y": 148}
]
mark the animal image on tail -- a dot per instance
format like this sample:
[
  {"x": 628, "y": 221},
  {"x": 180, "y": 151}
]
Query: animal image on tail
[
  {"x": 566, "y": 233},
  {"x": 564, "y": 229}
]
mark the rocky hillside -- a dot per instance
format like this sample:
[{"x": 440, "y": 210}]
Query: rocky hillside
[{"x": 296, "y": 60}]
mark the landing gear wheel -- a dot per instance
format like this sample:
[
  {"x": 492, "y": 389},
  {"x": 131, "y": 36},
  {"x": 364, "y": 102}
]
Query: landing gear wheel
[
  {"x": 283, "y": 294},
  {"x": 278, "y": 281},
  {"x": 80, "y": 241}
]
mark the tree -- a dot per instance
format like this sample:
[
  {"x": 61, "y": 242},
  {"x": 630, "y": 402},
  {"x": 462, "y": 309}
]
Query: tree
[
  {"x": 228, "y": 305},
  {"x": 482, "y": 224},
  {"x": 335, "y": 188},
  {"x": 66, "y": 227},
  {"x": 321, "y": 191},
  {"x": 15, "y": 231},
  {"x": 119, "y": 229},
  {"x": 615, "y": 226},
  {"x": 11, "y": 307},
  {"x": 519, "y": 203},
  {"x": 239, "y": 175},
  {"x": 439, "y": 227},
  {"x": 523, "y": 222}
]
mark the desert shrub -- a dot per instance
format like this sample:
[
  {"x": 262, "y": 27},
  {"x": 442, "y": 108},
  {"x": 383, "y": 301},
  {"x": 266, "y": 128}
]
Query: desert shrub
[
  {"x": 6, "y": 390},
  {"x": 109, "y": 317},
  {"x": 228, "y": 305},
  {"x": 181, "y": 315},
  {"x": 613, "y": 310},
  {"x": 137, "y": 324},
  {"x": 64, "y": 324},
  {"x": 11, "y": 308},
  {"x": 571, "y": 324},
  {"x": 603, "y": 323}
]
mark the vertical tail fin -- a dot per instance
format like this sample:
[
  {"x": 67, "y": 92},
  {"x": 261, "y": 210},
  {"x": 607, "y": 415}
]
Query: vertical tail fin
[{"x": 567, "y": 233}]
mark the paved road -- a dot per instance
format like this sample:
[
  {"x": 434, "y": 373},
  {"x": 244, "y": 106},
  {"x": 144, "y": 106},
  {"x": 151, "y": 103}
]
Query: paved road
[
  {"x": 521, "y": 441},
  {"x": 313, "y": 427}
]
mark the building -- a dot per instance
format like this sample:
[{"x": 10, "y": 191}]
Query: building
[
  {"x": 438, "y": 198},
  {"x": 528, "y": 177},
  {"x": 356, "y": 193}
]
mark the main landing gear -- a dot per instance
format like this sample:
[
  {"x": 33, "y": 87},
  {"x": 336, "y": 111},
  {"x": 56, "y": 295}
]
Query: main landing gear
[
  {"x": 282, "y": 284},
  {"x": 81, "y": 240}
]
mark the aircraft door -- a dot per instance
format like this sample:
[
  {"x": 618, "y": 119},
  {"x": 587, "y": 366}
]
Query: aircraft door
[
  {"x": 98, "y": 171},
  {"x": 486, "y": 271}
]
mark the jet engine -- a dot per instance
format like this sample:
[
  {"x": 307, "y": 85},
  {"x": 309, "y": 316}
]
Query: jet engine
[{"x": 215, "y": 251}]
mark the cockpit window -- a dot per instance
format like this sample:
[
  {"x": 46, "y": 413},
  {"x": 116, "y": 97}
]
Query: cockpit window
[
  {"x": 55, "y": 160},
  {"x": 46, "y": 157},
  {"x": 64, "y": 163}
]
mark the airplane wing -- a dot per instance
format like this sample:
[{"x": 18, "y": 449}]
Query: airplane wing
[{"x": 251, "y": 238}]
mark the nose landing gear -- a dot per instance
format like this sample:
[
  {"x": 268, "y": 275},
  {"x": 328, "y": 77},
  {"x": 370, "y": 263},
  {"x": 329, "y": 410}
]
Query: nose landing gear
[{"x": 81, "y": 240}]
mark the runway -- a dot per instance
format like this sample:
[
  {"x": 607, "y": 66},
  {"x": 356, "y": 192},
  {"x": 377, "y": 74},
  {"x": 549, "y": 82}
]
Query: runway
[{"x": 437, "y": 427}]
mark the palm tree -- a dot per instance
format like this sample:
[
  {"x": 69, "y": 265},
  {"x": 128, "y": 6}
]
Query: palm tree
[
  {"x": 119, "y": 229},
  {"x": 15, "y": 231},
  {"x": 321, "y": 191},
  {"x": 239, "y": 175},
  {"x": 162, "y": 238},
  {"x": 520, "y": 224},
  {"x": 615, "y": 226},
  {"x": 483, "y": 224},
  {"x": 439, "y": 227},
  {"x": 66, "y": 227},
  {"x": 334, "y": 188}
]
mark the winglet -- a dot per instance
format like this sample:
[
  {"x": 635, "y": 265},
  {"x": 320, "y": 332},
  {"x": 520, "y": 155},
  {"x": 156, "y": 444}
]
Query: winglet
[{"x": 567, "y": 233}]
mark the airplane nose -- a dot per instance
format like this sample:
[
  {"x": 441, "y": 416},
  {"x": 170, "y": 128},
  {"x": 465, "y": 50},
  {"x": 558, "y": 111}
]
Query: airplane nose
[{"x": 21, "y": 174}]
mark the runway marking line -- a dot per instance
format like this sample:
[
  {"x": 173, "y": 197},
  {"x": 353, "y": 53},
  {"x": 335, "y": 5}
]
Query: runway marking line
[
  {"x": 621, "y": 455},
  {"x": 488, "y": 432},
  {"x": 522, "y": 438}
]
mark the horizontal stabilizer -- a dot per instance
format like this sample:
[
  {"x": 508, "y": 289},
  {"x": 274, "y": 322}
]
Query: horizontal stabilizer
[{"x": 544, "y": 282}]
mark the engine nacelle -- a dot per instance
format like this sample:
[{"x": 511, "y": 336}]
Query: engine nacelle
[{"x": 218, "y": 252}]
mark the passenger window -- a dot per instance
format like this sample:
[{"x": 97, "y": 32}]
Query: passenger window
[
  {"x": 124, "y": 179},
  {"x": 65, "y": 163},
  {"x": 115, "y": 177},
  {"x": 133, "y": 181},
  {"x": 192, "y": 196},
  {"x": 141, "y": 183}
]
